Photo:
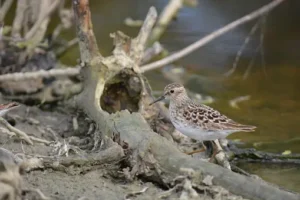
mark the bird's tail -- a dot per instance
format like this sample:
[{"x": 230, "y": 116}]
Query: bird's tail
[{"x": 241, "y": 127}]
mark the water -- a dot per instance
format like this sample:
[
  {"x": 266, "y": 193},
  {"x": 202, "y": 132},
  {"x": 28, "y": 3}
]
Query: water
[{"x": 273, "y": 82}]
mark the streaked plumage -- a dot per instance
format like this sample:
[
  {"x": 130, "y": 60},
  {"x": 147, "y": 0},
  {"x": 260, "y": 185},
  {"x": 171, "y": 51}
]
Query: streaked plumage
[
  {"x": 198, "y": 121},
  {"x": 4, "y": 108}
]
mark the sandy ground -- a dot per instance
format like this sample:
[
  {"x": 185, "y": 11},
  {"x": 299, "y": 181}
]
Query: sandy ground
[{"x": 101, "y": 182}]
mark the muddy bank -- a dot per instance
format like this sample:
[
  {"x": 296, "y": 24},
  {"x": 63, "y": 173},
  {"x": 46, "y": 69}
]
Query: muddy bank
[{"x": 104, "y": 181}]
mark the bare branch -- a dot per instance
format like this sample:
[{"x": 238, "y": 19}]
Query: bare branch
[
  {"x": 39, "y": 74},
  {"x": 151, "y": 52},
  {"x": 252, "y": 62},
  {"x": 19, "y": 18},
  {"x": 239, "y": 53},
  {"x": 1, "y": 30},
  {"x": 18, "y": 132},
  {"x": 64, "y": 48},
  {"x": 87, "y": 41},
  {"x": 39, "y": 140},
  {"x": 187, "y": 50},
  {"x": 165, "y": 17},
  {"x": 139, "y": 43},
  {"x": 4, "y": 9},
  {"x": 262, "y": 39},
  {"x": 42, "y": 16}
]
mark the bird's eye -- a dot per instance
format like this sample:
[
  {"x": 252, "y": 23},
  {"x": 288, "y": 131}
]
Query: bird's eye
[{"x": 172, "y": 91}]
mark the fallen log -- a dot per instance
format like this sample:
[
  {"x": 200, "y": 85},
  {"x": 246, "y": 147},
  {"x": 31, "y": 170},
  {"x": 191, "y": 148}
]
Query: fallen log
[{"x": 117, "y": 96}]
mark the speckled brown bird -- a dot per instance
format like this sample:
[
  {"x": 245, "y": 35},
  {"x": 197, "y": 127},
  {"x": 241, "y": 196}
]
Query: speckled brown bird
[
  {"x": 4, "y": 108},
  {"x": 199, "y": 121}
]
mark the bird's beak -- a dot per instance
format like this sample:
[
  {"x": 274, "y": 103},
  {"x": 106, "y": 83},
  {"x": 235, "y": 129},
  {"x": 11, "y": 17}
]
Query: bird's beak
[
  {"x": 4, "y": 108},
  {"x": 159, "y": 99}
]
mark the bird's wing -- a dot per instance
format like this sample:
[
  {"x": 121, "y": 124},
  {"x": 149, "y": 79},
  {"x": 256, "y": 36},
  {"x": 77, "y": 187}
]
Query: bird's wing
[{"x": 209, "y": 119}]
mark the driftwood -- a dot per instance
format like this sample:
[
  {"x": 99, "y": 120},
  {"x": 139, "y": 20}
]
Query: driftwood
[
  {"x": 116, "y": 96},
  {"x": 252, "y": 155},
  {"x": 112, "y": 154},
  {"x": 167, "y": 15}
]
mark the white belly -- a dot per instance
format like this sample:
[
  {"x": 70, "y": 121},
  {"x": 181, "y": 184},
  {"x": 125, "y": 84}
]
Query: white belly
[{"x": 200, "y": 134}]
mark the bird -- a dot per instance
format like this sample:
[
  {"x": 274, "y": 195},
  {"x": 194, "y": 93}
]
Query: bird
[
  {"x": 4, "y": 108},
  {"x": 199, "y": 121}
]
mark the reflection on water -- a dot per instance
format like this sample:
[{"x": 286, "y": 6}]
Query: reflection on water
[
  {"x": 274, "y": 106},
  {"x": 287, "y": 176}
]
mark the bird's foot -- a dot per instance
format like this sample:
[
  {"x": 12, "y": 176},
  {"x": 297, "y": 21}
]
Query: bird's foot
[
  {"x": 196, "y": 151},
  {"x": 213, "y": 156}
]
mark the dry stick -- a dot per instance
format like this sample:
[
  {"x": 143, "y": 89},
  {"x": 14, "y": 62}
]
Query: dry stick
[
  {"x": 210, "y": 37},
  {"x": 60, "y": 26},
  {"x": 69, "y": 44},
  {"x": 4, "y": 9},
  {"x": 1, "y": 30},
  {"x": 39, "y": 192},
  {"x": 151, "y": 52},
  {"x": 138, "y": 43},
  {"x": 39, "y": 140},
  {"x": 19, "y": 18},
  {"x": 239, "y": 53},
  {"x": 41, "y": 19},
  {"x": 165, "y": 17},
  {"x": 87, "y": 42},
  {"x": 262, "y": 39},
  {"x": 38, "y": 74},
  {"x": 250, "y": 65},
  {"x": 71, "y": 71},
  {"x": 18, "y": 132},
  {"x": 146, "y": 28}
]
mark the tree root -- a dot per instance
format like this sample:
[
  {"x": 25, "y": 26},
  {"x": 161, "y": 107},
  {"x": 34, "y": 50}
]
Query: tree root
[
  {"x": 252, "y": 155},
  {"x": 38, "y": 192},
  {"x": 109, "y": 155},
  {"x": 22, "y": 135},
  {"x": 134, "y": 194},
  {"x": 158, "y": 154},
  {"x": 12, "y": 131}
]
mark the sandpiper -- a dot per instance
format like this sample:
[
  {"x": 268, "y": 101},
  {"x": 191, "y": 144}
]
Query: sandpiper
[
  {"x": 4, "y": 108},
  {"x": 199, "y": 121}
]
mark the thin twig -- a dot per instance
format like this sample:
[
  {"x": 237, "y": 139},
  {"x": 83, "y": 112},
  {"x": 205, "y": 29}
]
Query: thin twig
[
  {"x": 41, "y": 19},
  {"x": 1, "y": 30},
  {"x": 239, "y": 53},
  {"x": 138, "y": 44},
  {"x": 63, "y": 49},
  {"x": 41, "y": 73},
  {"x": 39, "y": 140},
  {"x": 250, "y": 65},
  {"x": 4, "y": 9},
  {"x": 262, "y": 49},
  {"x": 39, "y": 192},
  {"x": 19, "y": 18},
  {"x": 234, "y": 102},
  {"x": 83, "y": 22},
  {"x": 151, "y": 52},
  {"x": 135, "y": 193},
  {"x": 187, "y": 50},
  {"x": 18, "y": 132},
  {"x": 66, "y": 20},
  {"x": 169, "y": 12}
]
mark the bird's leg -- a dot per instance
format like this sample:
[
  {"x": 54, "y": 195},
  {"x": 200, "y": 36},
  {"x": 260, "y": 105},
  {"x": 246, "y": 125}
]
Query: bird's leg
[
  {"x": 197, "y": 151},
  {"x": 216, "y": 149}
]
